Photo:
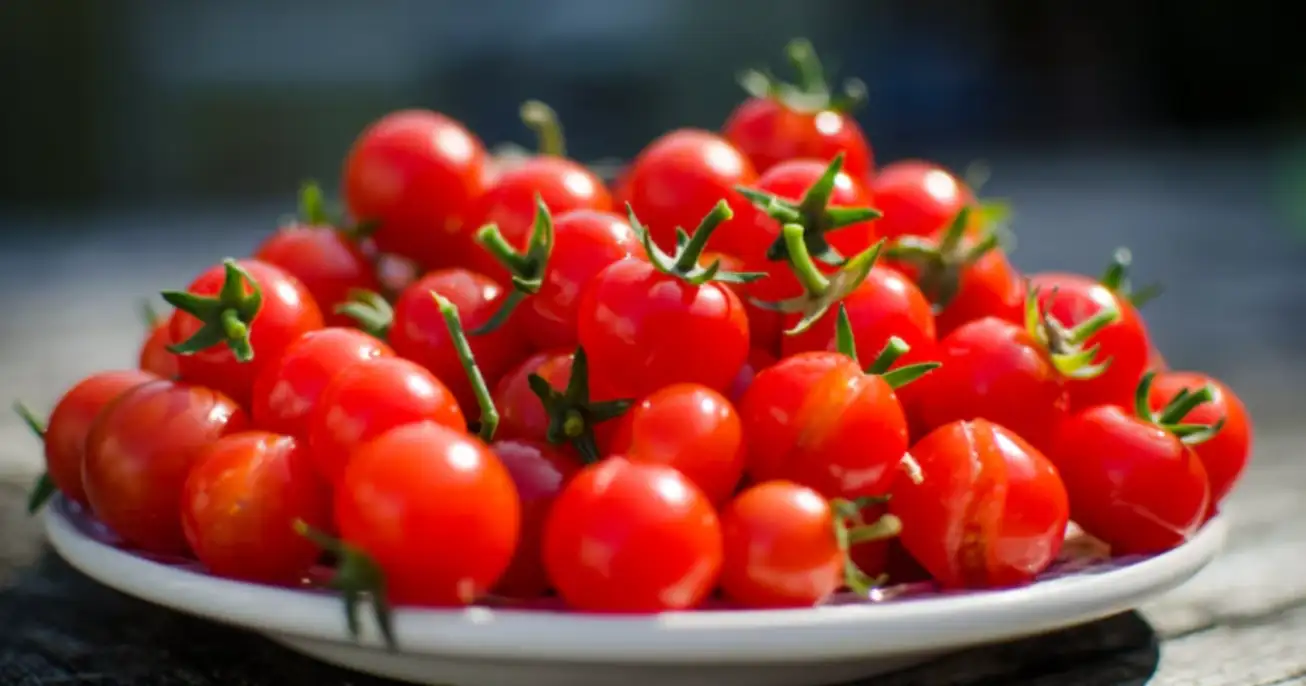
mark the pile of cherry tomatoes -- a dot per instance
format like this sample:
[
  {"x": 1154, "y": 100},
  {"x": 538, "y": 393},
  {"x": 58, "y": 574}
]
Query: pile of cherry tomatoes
[{"x": 755, "y": 368}]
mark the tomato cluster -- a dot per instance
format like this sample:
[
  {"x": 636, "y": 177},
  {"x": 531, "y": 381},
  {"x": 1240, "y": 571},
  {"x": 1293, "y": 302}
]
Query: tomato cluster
[{"x": 727, "y": 374}]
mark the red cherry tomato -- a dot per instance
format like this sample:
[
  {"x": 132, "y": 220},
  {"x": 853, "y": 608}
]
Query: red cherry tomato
[
  {"x": 758, "y": 360},
  {"x": 154, "y": 356},
  {"x": 286, "y": 312},
  {"x": 677, "y": 180},
  {"x": 434, "y": 509},
  {"x": 70, "y": 423},
  {"x": 1225, "y": 455},
  {"x": 328, "y": 262},
  {"x": 363, "y": 401},
  {"x": 539, "y": 472},
  {"x": 414, "y": 173},
  {"x": 917, "y": 198},
  {"x": 241, "y": 500},
  {"x": 771, "y": 133},
  {"x": 765, "y": 326},
  {"x": 1133, "y": 485},
  {"x": 140, "y": 450},
  {"x": 632, "y": 537},
  {"x": 989, "y": 510},
  {"x": 692, "y": 428},
  {"x": 420, "y": 334},
  {"x": 521, "y": 414},
  {"x": 286, "y": 390}
]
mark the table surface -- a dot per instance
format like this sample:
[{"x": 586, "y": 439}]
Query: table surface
[{"x": 1234, "y": 308}]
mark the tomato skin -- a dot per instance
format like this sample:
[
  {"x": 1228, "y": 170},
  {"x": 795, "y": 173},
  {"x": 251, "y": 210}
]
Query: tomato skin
[
  {"x": 539, "y": 471},
  {"x": 1225, "y": 455},
  {"x": 758, "y": 360},
  {"x": 139, "y": 452},
  {"x": 414, "y": 173},
  {"x": 631, "y": 537},
  {"x": 154, "y": 356},
  {"x": 241, "y": 500},
  {"x": 990, "y": 511},
  {"x": 771, "y": 133},
  {"x": 995, "y": 370},
  {"x": 435, "y": 509},
  {"x": 885, "y": 305},
  {"x": 419, "y": 332},
  {"x": 691, "y": 428},
  {"x": 917, "y": 198},
  {"x": 988, "y": 287},
  {"x": 285, "y": 391},
  {"x": 679, "y": 177},
  {"x": 71, "y": 420},
  {"x": 328, "y": 262},
  {"x": 521, "y": 414},
  {"x": 362, "y": 401},
  {"x": 780, "y": 547},
  {"x": 1125, "y": 342},
  {"x": 510, "y": 204},
  {"x": 1132, "y": 484},
  {"x": 585, "y": 242},
  {"x": 286, "y": 313},
  {"x": 643, "y": 330}
]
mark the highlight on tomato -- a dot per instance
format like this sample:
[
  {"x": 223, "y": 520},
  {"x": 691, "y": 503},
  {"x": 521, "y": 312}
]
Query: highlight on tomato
[{"x": 918, "y": 199}]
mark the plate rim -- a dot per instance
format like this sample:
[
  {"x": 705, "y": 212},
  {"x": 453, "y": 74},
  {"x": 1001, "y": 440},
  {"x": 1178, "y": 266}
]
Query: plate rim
[{"x": 927, "y": 624}]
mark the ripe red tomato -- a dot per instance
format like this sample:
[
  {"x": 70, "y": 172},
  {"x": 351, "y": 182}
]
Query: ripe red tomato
[
  {"x": 765, "y": 325},
  {"x": 539, "y": 472},
  {"x": 573, "y": 418},
  {"x": 758, "y": 360},
  {"x": 241, "y": 500},
  {"x": 363, "y": 401},
  {"x": 632, "y": 537},
  {"x": 139, "y": 451},
  {"x": 521, "y": 414},
  {"x": 413, "y": 174},
  {"x": 1225, "y": 454},
  {"x": 679, "y": 177},
  {"x": 248, "y": 312},
  {"x": 917, "y": 198},
  {"x": 691, "y": 428},
  {"x": 988, "y": 511},
  {"x": 420, "y": 334},
  {"x": 434, "y": 509},
  {"x": 154, "y": 356},
  {"x": 328, "y": 262},
  {"x": 285, "y": 391}
]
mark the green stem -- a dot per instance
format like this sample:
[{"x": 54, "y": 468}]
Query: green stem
[
  {"x": 1105, "y": 317},
  {"x": 813, "y": 281},
  {"x": 356, "y": 575},
  {"x": 811, "y": 75},
  {"x": 42, "y": 491},
  {"x": 370, "y": 310},
  {"x": 494, "y": 243},
  {"x": 689, "y": 256},
  {"x": 30, "y": 419},
  {"x": 541, "y": 119},
  {"x": 1180, "y": 406},
  {"x": 886, "y": 526},
  {"x": 489, "y": 413},
  {"x": 892, "y": 350},
  {"x": 312, "y": 205}
]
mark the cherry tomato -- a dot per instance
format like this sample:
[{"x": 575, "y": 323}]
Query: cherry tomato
[
  {"x": 414, "y": 173},
  {"x": 420, "y": 334},
  {"x": 286, "y": 390},
  {"x": 521, "y": 414},
  {"x": 363, "y": 401},
  {"x": 140, "y": 450},
  {"x": 917, "y": 198},
  {"x": 1133, "y": 485},
  {"x": 692, "y": 428},
  {"x": 328, "y": 262},
  {"x": 241, "y": 500},
  {"x": 285, "y": 313},
  {"x": 632, "y": 537},
  {"x": 434, "y": 509},
  {"x": 154, "y": 356},
  {"x": 539, "y": 472},
  {"x": 71, "y": 420},
  {"x": 758, "y": 360},
  {"x": 989, "y": 510},
  {"x": 765, "y": 326},
  {"x": 1225, "y": 454},
  {"x": 680, "y": 176}
]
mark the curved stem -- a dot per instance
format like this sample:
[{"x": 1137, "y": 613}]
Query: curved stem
[
  {"x": 1179, "y": 407},
  {"x": 490, "y": 238},
  {"x": 893, "y": 349},
  {"x": 489, "y": 413},
  {"x": 813, "y": 281},
  {"x": 1087, "y": 328},
  {"x": 1142, "y": 398},
  {"x": 541, "y": 119},
  {"x": 690, "y": 255}
]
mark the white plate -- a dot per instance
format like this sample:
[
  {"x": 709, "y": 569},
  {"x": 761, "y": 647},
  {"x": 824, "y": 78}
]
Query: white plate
[{"x": 483, "y": 647}]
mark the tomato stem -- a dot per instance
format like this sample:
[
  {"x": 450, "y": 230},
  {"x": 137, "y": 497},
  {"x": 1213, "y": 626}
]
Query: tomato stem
[
  {"x": 543, "y": 120},
  {"x": 489, "y": 422},
  {"x": 813, "y": 281},
  {"x": 1171, "y": 416},
  {"x": 572, "y": 415},
  {"x": 1086, "y": 329},
  {"x": 492, "y": 240},
  {"x": 887, "y": 526},
  {"x": 851, "y": 529},
  {"x": 526, "y": 267},
  {"x": 893, "y": 349},
  {"x": 312, "y": 205},
  {"x": 356, "y": 575},
  {"x": 812, "y": 92},
  {"x": 1065, "y": 347},
  {"x": 814, "y": 304},
  {"x": 42, "y": 490},
  {"x": 1116, "y": 278},
  {"x": 370, "y": 310},
  {"x": 225, "y": 318},
  {"x": 33, "y": 423},
  {"x": 941, "y": 263},
  {"x": 1183, "y": 403},
  {"x": 684, "y": 264},
  {"x": 149, "y": 315}
]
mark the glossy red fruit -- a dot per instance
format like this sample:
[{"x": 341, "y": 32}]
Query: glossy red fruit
[
  {"x": 630, "y": 537},
  {"x": 412, "y": 174},
  {"x": 540, "y": 472},
  {"x": 154, "y": 356},
  {"x": 758, "y": 360},
  {"x": 434, "y": 509},
  {"x": 988, "y": 511},
  {"x": 241, "y": 500},
  {"x": 139, "y": 452},
  {"x": 328, "y": 262},
  {"x": 521, "y": 414},
  {"x": 918, "y": 198},
  {"x": 1224, "y": 455},
  {"x": 286, "y": 390}
]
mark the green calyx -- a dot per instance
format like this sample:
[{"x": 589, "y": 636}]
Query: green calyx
[
  {"x": 314, "y": 210},
  {"x": 356, "y": 577},
  {"x": 527, "y": 267},
  {"x": 44, "y": 488},
  {"x": 572, "y": 415},
  {"x": 813, "y": 213},
  {"x": 489, "y": 420},
  {"x": 684, "y": 264},
  {"x": 821, "y": 292},
  {"x": 1171, "y": 417},
  {"x": 541, "y": 119},
  {"x": 811, "y": 93},
  {"x": 940, "y": 263},
  {"x": 149, "y": 316},
  {"x": 1065, "y": 346},
  {"x": 1116, "y": 277},
  {"x": 225, "y": 318},
  {"x": 851, "y": 529},
  {"x": 893, "y": 349},
  {"x": 370, "y": 310}
]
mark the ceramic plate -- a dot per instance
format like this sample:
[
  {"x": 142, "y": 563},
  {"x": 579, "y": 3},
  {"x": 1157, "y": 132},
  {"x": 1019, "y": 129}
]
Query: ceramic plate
[{"x": 542, "y": 647}]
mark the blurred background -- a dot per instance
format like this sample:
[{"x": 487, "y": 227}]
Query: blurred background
[{"x": 142, "y": 139}]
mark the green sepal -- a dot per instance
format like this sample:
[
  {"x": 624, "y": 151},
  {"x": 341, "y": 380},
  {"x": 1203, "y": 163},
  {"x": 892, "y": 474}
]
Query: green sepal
[
  {"x": 572, "y": 415},
  {"x": 1116, "y": 278},
  {"x": 821, "y": 292},
  {"x": 850, "y": 529},
  {"x": 224, "y": 318},
  {"x": 684, "y": 264},
  {"x": 527, "y": 268},
  {"x": 1065, "y": 346},
  {"x": 811, "y": 93},
  {"x": 1172, "y": 415},
  {"x": 356, "y": 577},
  {"x": 370, "y": 311}
]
